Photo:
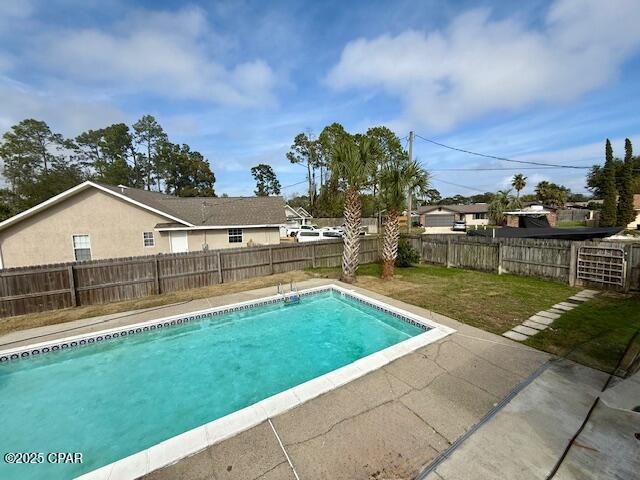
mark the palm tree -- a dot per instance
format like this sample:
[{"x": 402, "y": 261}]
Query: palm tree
[
  {"x": 499, "y": 204},
  {"x": 518, "y": 182},
  {"x": 396, "y": 179},
  {"x": 350, "y": 162}
]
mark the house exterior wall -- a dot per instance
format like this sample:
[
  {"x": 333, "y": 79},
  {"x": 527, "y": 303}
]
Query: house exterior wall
[
  {"x": 216, "y": 239},
  {"x": 115, "y": 229},
  {"x": 470, "y": 220},
  {"x": 513, "y": 220}
]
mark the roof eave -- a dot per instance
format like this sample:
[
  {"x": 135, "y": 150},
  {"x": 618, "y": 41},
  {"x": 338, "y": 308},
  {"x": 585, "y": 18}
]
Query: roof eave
[
  {"x": 217, "y": 227},
  {"x": 75, "y": 190}
]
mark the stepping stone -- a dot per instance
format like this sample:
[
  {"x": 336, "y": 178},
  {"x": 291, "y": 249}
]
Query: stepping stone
[
  {"x": 567, "y": 304},
  {"x": 541, "y": 320},
  {"x": 548, "y": 314},
  {"x": 586, "y": 291},
  {"x": 577, "y": 298},
  {"x": 536, "y": 325},
  {"x": 560, "y": 306},
  {"x": 555, "y": 310},
  {"x": 518, "y": 337},
  {"x": 525, "y": 330}
]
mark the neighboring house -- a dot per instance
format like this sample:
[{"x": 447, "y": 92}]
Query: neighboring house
[
  {"x": 635, "y": 225},
  {"x": 96, "y": 221},
  {"x": 441, "y": 217},
  {"x": 532, "y": 216},
  {"x": 295, "y": 218}
]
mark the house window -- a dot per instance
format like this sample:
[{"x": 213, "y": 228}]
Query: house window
[
  {"x": 147, "y": 238},
  {"x": 235, "y": 235},
  {"x": 479, "y": 216},
  {"x": 82, "y": 248}
]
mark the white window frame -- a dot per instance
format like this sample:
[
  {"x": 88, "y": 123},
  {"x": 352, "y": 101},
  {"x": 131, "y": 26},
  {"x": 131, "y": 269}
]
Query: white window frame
[
  {"x": 144, "y": 240},
  {"x": 235, "y": 235},
  {"x": 73, "y": 245}
]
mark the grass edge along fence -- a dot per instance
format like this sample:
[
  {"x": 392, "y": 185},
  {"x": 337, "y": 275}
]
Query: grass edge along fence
[{"x": 543, "y": 258}]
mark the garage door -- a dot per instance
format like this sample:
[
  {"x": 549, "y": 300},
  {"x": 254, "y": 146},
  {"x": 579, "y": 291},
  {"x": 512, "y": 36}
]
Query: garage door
[{"x": 438, "y": 220}]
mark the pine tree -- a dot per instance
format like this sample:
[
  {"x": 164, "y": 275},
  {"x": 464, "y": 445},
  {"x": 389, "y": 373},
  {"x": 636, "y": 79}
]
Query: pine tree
[
  {"x": 608, "y": 215},
  {"x": 626, "y": 213}
]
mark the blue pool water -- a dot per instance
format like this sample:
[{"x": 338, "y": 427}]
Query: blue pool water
[{"x": 115, "y": 398}]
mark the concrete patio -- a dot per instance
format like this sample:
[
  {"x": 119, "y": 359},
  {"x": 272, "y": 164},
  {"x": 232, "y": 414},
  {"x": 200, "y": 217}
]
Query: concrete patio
[{"x": 393, "y": 422}]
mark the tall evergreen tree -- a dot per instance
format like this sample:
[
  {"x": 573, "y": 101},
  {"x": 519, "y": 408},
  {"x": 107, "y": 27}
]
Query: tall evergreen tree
[
  {"x": 626, "y": 213},
  {"x": 266, "y": 181},
  {"x": 187, "y": 173},
  {"x": 608, "y": 215},
  {"x": 148, "y": 133}
]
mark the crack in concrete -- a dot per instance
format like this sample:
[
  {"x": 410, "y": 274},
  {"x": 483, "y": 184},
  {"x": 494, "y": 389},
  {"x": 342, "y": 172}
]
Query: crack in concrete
[
  {"x": 435, "y": 360},
  {"x": 485, "y": 359},
  {"x": 350, "y": 417},
  {"x": 435, "y": 430},
  {"x": 270, "y": 470}
]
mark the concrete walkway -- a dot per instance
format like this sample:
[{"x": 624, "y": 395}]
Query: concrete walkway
[{"x": 526, "y": 438}]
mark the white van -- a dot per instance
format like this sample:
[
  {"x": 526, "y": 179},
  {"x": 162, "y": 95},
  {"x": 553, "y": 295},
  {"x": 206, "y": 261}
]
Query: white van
[{"x": 316, "y": 235}]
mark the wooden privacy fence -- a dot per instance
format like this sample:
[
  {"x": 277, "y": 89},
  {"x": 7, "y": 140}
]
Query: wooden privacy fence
[
  {"x": 51, "y": 287},
  {"x": 544, "y": 258}
]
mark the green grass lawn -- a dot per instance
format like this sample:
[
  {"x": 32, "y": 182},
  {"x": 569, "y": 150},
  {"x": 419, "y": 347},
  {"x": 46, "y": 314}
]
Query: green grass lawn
[
  {"x": 485, "y": 300},
  {"x": 595, "y": 333}
]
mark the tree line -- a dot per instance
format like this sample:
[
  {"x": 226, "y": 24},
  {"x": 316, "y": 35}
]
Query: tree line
[
  {"x": 324, "y": 196},
  {"x": 616, "y": 182},
  {"x": 350, "y": 174},
  {"x": 38, "y": 163}
]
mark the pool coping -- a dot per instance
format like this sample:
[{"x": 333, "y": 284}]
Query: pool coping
[{"x": 192, "y": 441}]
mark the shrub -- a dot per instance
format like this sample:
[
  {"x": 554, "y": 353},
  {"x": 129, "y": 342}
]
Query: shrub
[{"x": 407, "y": 255}]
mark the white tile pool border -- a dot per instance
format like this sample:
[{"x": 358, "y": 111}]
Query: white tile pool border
[
  {"x": 86, "y": 339},
  {"x": 188, "y": 443}
]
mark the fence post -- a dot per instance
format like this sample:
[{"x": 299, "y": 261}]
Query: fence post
[
  {"x": 220, "y": 279},
  {"x": 271, "y": 260},
  {"x": 628, "y": 258},
  {"x": 573, "y": 264},
  {"x": 449, "y": 252},
  {"x": 313, "y": 255},
  {"x": 421, "y": 248},
  {"x": 500, "y": 258},
  {"x": 72, "y": 287},
  {"x": 156, "y": 275}
]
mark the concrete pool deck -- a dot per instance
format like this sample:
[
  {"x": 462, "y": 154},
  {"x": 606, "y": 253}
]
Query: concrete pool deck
[{"x": 390, "y": 423}]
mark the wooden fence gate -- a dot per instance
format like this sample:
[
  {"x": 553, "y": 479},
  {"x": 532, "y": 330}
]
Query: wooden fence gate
[{"x": 606, "y": 265}]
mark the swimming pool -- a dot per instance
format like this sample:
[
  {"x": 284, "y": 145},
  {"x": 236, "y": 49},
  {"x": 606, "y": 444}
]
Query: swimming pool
[{"x": 151, "y": 382}]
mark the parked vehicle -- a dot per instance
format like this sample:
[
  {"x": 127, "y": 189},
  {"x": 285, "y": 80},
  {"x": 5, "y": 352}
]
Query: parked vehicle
[
  {"x": 339, "y": 230},
  {"x": 293, "y": 231},
  {"x": 316, "y": 235},
  {"x": 459, "y": 226}
]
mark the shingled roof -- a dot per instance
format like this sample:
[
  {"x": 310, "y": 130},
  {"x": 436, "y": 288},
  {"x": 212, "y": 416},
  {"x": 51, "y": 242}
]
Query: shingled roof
[
  {"x": 210, "y": 211},
  {"x": 472, "y": 208}
]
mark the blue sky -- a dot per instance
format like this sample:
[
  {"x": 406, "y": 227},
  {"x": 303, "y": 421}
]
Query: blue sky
[{"x": 538, "y": 80}]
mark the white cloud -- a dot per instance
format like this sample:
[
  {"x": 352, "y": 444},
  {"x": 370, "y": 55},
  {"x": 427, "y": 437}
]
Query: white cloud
[
  {"x": 65, "y": 113},
  {"x": 477, "y": 64},
  {"x": 166, "y": 53}
]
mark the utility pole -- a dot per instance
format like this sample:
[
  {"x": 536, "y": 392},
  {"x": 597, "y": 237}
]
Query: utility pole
[{"x": 409, "y": 193}]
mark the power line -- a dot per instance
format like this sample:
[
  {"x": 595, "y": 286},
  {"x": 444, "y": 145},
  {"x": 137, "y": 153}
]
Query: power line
[
  {"x": 458, "y": 185},
  {"x": 488, "y": 169},
  {"x": 498, "y": 158}
]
